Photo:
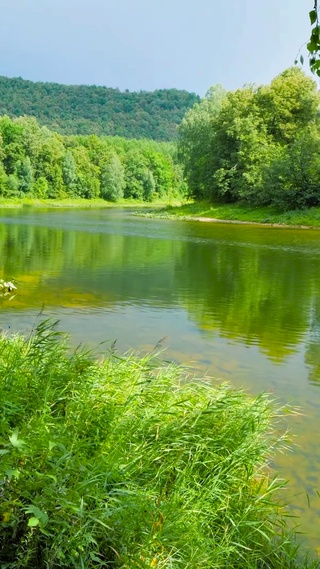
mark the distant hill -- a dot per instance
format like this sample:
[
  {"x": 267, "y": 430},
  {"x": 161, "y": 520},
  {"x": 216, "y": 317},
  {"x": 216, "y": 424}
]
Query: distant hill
[{"x": 80, "y": 109}]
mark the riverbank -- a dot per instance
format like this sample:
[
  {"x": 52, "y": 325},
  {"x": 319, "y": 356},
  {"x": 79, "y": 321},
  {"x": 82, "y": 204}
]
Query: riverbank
[
  {"x": 239, "y": 213},
  {"x": 81, "y": 203},
  {"x": 121, "y": 463}
]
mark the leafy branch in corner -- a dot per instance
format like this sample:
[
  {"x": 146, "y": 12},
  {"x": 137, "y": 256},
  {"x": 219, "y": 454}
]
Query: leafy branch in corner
[{"x": 313, "y": 46}]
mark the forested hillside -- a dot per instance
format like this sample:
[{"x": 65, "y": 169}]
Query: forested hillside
[
  {"x": 38, "y": 163},
  {"x": 259, "y": 145},
  {"x": 80, "y": 109}
]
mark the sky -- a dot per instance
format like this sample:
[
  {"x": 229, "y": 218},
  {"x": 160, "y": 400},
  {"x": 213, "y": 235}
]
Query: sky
[{"x": 152, "y": 44}]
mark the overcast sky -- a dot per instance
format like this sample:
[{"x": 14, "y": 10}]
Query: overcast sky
[{"x": 151, "y": 44}]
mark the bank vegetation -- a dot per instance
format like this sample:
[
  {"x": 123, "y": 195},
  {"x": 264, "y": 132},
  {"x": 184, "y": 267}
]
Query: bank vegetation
[{"x": 122, "y": 463}]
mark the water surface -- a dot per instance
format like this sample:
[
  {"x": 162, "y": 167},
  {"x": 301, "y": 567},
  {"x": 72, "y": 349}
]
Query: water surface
[{"x": 239, "y": 302}]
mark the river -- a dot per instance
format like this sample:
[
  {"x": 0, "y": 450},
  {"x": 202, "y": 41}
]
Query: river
[{"x": 239, "y": 303}]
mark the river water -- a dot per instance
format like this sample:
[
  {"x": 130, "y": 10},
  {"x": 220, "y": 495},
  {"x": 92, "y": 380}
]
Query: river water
[{"x": 237, "y": 302}]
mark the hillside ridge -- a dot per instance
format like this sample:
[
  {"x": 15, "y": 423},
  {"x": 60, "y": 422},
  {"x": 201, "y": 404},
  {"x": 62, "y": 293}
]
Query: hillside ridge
[{"x": 91, "y": 109}]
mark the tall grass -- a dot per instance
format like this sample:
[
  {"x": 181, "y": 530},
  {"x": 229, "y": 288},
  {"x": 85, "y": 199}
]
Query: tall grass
[{"x": 121, "y": 463}]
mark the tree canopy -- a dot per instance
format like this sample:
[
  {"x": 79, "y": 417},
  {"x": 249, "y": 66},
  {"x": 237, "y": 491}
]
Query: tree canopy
[
  {"x": 80, "y": 109},
  {"x": 257, "y": 144},
  {"x": 36, "y": 162}
]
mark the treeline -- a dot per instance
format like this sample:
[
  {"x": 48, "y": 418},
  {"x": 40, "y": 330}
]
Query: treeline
[
  {"x": 260, "y": 145},
  {"x": 80, "y": 109},
  {"x": 38, "y": 163}
]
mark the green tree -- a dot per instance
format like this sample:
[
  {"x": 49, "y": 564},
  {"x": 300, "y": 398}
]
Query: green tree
[
  {"x": 196, "y": 134},
  {"x": 161, "y": 167},
  {"x": 41, "y": 188},
  {"x": 289, "y": 104},
  {"x": 87, "y": 183},
  {"x": 69, "y": 171},
  {"x": 136, "y": 169},
  {"x": 112, "y": 181},
  {"x": 226, "y": 156},
  {"x": 12, "y": 186},
  {"x": 293, "y": 179},
  {"x": 48, "y": 166},
  {"x": 3, "y": 180},
  {"x": 237, "y": 149},
  {"x": 149, "y": 186},
  {"x": 35, "y": 160},
  {"x": 25, "y": 175}
]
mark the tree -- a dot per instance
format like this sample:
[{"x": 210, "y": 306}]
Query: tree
[
  {"x": 87, "y": 184},
  {"x": 196, "y": 134},
  {"x": 3, "y": 180},
  {"x": 227, "y": 150},
  {"x": 161, "y": 174},
  {"x": 45, "y": 164},
  {"x": 48, "y": 166},
  {"x": 112, "y": 181},
  {"x": 239, "y": 148},
  {"x": 69, "y": 171},
  {"x": 292, "y": 180},
  {"x": 149, "y": 186},
  {"x": 25, "y": 175},
  {"x": 12, "y": 186},
  {"x": 136, "y": 168},
  {"x": 40, "y": 188},
  {"x": 288, "y": 104}
]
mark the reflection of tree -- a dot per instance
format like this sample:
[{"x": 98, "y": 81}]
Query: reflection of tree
[
  {"x": 312, "y": 355},
  {"x": 60, "y": 266},
  {"x": 252, "y": 286},
  {"x": 255, "y": 294}
]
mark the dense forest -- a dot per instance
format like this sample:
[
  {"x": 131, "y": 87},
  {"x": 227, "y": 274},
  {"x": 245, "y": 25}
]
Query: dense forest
[
  {"x": 259, "y": 145},
  {"x": 80, "y": 109},
  {"x": 35, "y": 162}
]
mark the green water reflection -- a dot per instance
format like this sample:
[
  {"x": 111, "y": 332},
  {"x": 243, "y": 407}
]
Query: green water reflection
[{"x": 243, "y": 302}]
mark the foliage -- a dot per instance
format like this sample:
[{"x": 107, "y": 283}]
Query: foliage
[
  {"x": 293, "y": 178},
  {"x": 120, "y": 464},
  {"x": 80, "y": 109},
  {"x": 313, "y": 45},
  {"x": 112, "y": 179},
  {"x": 35, "y": 162},
  {"x": 195, "y": 139},
  {"x": 242, "y": 147}
]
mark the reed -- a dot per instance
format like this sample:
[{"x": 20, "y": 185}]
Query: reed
[{"x": 121, "y": 463}]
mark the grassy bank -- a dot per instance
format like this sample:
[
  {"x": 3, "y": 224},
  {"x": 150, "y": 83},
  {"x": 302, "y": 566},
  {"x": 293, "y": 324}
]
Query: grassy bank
[
  {"x": 121, "y": 464},
  {"x": 80, "y": 203},
  {"x": 243, "y": 213}
]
